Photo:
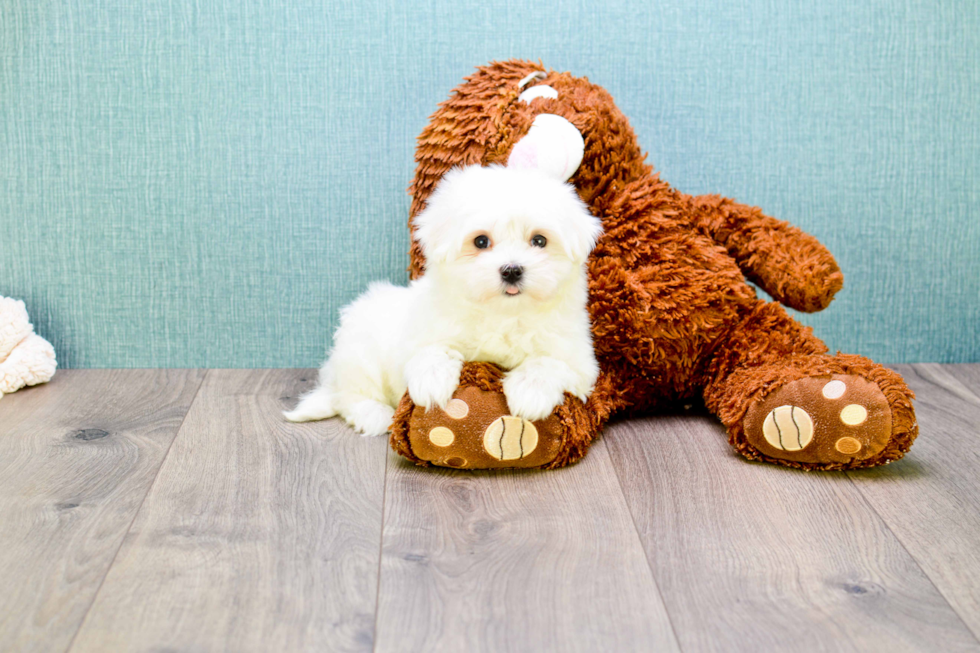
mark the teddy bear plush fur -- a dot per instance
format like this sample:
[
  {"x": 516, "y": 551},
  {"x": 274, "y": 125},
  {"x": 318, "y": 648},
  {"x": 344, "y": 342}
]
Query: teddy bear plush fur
[
  {"x": 25, "y": 357},
  {"x": 673, "y": 317}
]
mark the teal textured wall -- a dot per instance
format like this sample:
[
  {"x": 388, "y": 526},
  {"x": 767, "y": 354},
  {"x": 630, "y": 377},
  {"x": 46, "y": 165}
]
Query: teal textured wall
[{"x": 188, "y": 183}]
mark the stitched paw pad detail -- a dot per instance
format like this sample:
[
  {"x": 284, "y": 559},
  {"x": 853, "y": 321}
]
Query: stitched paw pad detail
[{"x": 788, "y": 428}]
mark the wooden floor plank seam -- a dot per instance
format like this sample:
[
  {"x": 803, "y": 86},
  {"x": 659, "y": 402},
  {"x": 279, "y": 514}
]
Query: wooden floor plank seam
[
  {"x": 258, "y": 535},
  {"x": 646, "y": 556},
  {"x": 865, "y": 592},
  {"x": 72, "y": 474},
  {"x": 922, "y": 372},
  {"x": 913, "y": 558},
  {"x": 942, "y": 394},
  {"x": 515, "y": 560},
  {"x": 136, "y": 513},
  {"x": 381, "y": 548}
]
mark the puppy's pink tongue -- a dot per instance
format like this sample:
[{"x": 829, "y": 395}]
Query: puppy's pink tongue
[{"x": 512, "y": 291}]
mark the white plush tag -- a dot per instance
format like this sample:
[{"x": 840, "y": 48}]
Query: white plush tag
[
  {"x": 537, "y": 74},
  {"x": 538, "y": 91},
  {"x": 553, "y": 145}
]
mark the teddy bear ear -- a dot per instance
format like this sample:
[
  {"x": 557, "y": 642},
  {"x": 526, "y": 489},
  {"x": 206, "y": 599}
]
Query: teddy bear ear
[{"x": 553, "y": 145}]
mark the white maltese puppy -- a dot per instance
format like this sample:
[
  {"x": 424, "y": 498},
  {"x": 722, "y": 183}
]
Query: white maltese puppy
[{"x": 505, "y": 282}]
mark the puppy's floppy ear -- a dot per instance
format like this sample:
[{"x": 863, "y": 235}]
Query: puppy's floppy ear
[
  {"x": 580, "y": 229},
  {"x": 428, "y": 224},
  {"x": 434, "y": 226}
]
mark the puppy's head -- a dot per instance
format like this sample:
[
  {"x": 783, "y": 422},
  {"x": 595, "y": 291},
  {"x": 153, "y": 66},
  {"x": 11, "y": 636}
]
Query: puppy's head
[{"x": 502, "y": 234}]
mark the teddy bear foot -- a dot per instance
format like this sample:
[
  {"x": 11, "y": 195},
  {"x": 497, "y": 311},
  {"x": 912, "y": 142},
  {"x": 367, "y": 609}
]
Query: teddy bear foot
[
  {"x": 838, "y": 419},
  {"x": 476, "y": 431}
]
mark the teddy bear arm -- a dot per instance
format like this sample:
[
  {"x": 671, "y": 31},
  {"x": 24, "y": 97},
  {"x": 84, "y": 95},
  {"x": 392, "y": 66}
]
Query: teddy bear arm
[{"x": 788, "y": 263}]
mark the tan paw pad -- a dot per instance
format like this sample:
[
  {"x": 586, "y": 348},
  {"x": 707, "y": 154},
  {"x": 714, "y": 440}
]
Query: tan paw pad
[
  {"x": 441, "y": 436},
  {"x": 848, "y": 446},
  {"x": 457, "y": 409},
  {"x": 510, "y": 438},
  {"x": 854, "y": 414},
  {"x": 834, "y": 389},
  {"x": 788, "y": 428}
]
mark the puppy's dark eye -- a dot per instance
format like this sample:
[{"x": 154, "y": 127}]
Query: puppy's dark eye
[
  {"x": 539, "y": 241},
  {"x": 481, "y": 242}
]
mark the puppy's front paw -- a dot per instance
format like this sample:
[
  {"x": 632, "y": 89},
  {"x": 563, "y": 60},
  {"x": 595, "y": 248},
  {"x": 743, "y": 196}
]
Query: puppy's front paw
[
  {"x": 532, "y": 395},
  {"x": 432, "y": 376}
]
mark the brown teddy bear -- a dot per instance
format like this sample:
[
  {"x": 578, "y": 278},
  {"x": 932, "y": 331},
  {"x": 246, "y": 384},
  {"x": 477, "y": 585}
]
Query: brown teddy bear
[{"x": 673, "y": 318}]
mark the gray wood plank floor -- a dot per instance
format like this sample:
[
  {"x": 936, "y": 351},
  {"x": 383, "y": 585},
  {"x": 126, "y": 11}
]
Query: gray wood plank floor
[
  {"x": 515, "y": 561},
  {"x": 174, "y": 510},
  {"x": 257, "y": 535},
  {"x": 77, "y": 457}
]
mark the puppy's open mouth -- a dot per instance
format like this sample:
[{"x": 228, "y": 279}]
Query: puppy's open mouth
[{"x": 512, "y": 290}]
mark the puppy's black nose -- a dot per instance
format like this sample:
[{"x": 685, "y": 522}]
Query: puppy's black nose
[{"x": 511, "y": 273}]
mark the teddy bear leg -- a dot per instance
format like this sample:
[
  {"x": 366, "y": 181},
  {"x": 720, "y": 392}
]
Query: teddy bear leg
[
  {"x": 785, "y": 401},
  {"x": 476, "y": 431}
]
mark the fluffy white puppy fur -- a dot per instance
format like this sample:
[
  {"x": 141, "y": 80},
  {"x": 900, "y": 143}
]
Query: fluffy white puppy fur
[{"x": 505, "y": 282}]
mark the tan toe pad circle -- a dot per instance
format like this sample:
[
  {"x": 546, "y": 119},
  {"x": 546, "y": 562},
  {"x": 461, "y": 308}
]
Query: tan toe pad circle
[
  {"x": 441, "y": 436},
  {"x": 854, "y": 414},
  {"x": 834, "y": 389},
  {"x": 457, "y": 409},
  {"x": 848, "y": 446}
]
